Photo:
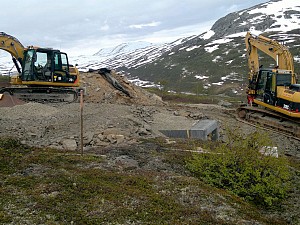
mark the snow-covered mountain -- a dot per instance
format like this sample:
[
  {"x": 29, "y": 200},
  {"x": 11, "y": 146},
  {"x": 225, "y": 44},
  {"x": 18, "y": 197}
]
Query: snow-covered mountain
[
  {"x": 131, "y": 57},
  {"x": 122, "y": 48},
  {"x": 216, "y": 57},
  {"x": 6, "y": 63}
]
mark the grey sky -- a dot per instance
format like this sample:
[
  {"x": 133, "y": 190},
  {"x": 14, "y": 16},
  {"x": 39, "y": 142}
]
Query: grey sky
[{"x": 89, "y": 25}]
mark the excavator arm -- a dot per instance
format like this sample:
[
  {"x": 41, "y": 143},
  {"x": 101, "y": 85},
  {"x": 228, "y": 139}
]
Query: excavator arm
[
  {"x": 14, "y": 47},
  {"x": 280, "y": 53}
]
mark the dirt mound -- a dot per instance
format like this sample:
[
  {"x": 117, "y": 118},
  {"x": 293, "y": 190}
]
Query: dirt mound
[
  {"x": 10, "y": 101},
  {"x": 100, "y": 90}
]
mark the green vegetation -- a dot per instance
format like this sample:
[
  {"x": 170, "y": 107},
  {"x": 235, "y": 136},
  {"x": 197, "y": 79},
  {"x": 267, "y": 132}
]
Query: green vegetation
[
  {"x": 47, "y": 186},
  {"x": 239, "y": 167},
  {"x": 194, "y": 99},
  {"x": 4, "y": 78}
]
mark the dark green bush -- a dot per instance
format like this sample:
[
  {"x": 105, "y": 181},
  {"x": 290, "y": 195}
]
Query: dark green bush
[
  {"x": 9, "y": 143},
  {"x": 239, "y": 167}
]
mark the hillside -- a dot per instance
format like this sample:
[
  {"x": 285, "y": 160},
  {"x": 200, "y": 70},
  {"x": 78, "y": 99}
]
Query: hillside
[{"x": 213, "y": 62}]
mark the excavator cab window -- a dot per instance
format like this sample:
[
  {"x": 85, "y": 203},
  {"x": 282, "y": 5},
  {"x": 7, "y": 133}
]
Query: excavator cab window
[
  {"x": 61, "y": 62},
  {"x": 37, "y": 66},
  {"x": 265, "y": 90},
  {"x": 27, "y": 73},
  {"x": 61, "y": 65},
  {"x": 64, "y": 62},
  {"x": 262, "y": 81},
  {"x": 283, "y": 79}
]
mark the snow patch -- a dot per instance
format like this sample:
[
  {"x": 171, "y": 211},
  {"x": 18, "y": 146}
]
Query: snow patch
[
  {"x": 217, "y": 58},
  {"x": 218, "y": 83},
  {"x": 199, "y": 77},
  {"x": 192, "y": 48},
  {"x": 207, "y": 35},
  {"x": 212, "y": 48}
]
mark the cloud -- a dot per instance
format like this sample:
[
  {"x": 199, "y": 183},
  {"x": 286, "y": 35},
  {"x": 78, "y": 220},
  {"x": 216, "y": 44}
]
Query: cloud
[
  {"x": 140, "y": 26},
  {"x": 104, "y": 27},
  {"x": 98, "y": 24}
]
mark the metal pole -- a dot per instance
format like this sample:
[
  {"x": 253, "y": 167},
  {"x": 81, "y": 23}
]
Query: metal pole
[{"x": 81, "y": 121}]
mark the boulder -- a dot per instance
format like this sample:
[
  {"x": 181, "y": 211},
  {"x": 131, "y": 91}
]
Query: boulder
[{"x": 69, "y": 144}]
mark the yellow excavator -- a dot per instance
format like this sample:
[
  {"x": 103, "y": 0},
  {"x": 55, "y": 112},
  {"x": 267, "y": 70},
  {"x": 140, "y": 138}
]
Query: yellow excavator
[
  {"x": 44, "y": 74},
  {"x": 273, "y": 88}
]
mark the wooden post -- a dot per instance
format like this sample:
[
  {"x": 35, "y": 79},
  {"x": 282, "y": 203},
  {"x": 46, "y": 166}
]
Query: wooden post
[{"x": 81, "y": 121}]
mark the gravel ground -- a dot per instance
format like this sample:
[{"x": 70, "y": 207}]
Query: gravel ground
[
  {"x": 110, "y": 117},
  {"x": 49, "y": 124}
]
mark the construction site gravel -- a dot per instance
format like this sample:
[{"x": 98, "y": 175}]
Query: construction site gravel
[{"x": 112, "y": 118}]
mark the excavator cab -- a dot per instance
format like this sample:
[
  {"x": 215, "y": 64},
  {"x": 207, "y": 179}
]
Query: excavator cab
[
  {"x": 44, "y": 66},
  {"x": 268, "y": 83}
]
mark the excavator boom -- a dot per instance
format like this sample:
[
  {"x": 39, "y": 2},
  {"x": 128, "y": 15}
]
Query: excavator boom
[
  {"x": 14, "y": 47},
  {"x": 280, "y": 53}
]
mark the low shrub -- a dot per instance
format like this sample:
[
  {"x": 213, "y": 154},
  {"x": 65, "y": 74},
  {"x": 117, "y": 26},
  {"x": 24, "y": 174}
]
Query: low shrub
[{"x": 239, "y": 167}]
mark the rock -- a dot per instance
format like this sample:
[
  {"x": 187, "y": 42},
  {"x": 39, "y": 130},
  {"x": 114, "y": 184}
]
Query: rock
[
  {"x": 196, "y": 116},
  {"x": 156, "y": 98},
  {"x": 101, "y": 137},
  {"x": 225, "y": 104},
  {"x": 142, "y": 131},
  {"x": 120, "y": 138},
  {"x": 114, "y": 131},
  {"x": 55, "y": 146},
  {"x": 111, "y": 138},
  {"x": 147, "y": 127},
  {"x": 69, "y": 144},
  {"x": 101, "y": 143},
  {"x": 32, "y": 135},
  {"x": 88, "y": 137},
  {"x": 126, "y": 162},
  {"x": 176, "y": 113}
]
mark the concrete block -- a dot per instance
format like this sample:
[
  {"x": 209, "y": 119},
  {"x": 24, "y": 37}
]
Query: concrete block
[
  {"x": 200, "y": 130},
  {"x": 204, "y": 128}
]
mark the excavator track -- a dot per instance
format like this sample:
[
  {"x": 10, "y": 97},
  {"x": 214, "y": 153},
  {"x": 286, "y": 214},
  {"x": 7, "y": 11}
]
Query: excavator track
[
  {"x": 270, "y": 120},
  {"x": 42, "y": 94}
]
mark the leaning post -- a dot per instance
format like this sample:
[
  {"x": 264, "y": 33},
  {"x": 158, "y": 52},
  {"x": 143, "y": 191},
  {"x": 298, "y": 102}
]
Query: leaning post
[{"x": 81, "y": 121}]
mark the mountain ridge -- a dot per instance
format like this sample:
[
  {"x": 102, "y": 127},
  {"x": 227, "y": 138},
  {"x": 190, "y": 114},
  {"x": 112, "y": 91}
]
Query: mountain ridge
[
  {"x": 213, "y": 62},
  {"x": 218, "y": 55}
]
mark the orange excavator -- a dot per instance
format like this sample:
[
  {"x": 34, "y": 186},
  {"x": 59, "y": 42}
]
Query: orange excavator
[{"x": 44, "y": 74}]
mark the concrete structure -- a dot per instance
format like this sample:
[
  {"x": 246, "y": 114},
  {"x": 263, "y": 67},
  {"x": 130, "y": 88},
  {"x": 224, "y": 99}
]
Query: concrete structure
[{"x": 204, "y": 130}]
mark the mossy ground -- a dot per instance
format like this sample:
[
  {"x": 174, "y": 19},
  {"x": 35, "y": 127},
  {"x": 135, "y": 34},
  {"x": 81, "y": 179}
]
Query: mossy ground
[{"x": 47, "y": 186}]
